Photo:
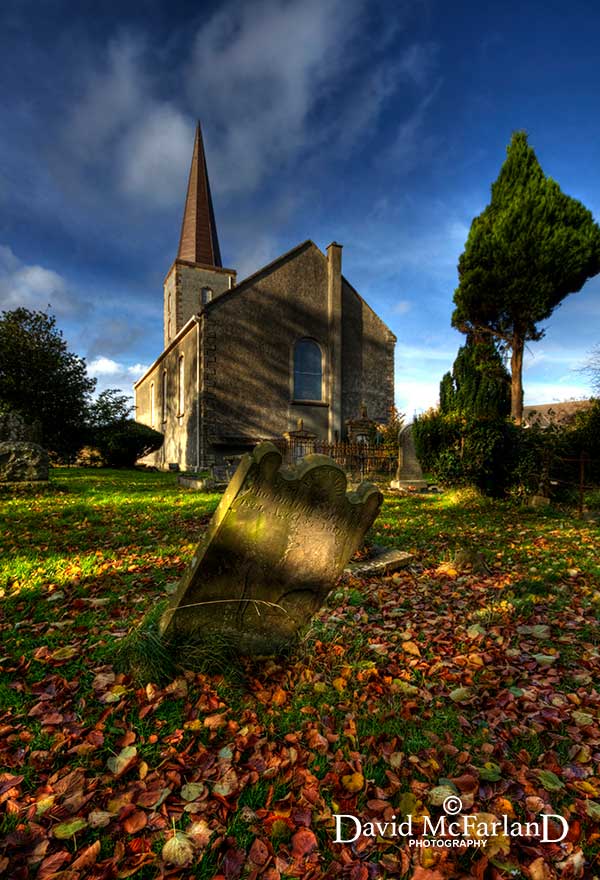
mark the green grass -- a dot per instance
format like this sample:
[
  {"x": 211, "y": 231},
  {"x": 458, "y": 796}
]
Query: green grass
[{"x": 87, "y": 562}]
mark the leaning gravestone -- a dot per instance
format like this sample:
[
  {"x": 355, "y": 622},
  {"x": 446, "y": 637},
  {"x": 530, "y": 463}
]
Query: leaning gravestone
[
  {"x": 409, "y": 473},
  {"x": 276, "y": 545}
]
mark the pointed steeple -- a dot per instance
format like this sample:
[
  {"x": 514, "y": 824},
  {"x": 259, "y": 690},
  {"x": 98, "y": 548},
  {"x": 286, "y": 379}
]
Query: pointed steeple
[{"x": 199, "y": 242}]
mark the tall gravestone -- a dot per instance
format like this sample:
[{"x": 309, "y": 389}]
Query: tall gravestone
[
  {"x": 409, "y": 473},
  {"x": 276, "y": 545},
  {"x": 22, "y": 459}
]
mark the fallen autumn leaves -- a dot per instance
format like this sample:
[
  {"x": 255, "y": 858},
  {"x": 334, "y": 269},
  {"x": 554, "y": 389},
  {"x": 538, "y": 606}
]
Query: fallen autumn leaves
[{"x": 407, "y": 689}]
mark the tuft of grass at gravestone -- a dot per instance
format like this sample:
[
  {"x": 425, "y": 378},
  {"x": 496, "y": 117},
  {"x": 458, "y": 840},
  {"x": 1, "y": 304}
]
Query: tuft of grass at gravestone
[{"x": 402, "y": 687}]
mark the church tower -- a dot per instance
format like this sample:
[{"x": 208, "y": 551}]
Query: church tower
[{"x": 197, "y": 275}]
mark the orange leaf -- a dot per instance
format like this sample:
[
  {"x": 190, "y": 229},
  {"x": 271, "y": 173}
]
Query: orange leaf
[
  {"x": 135, "y": 822},
  {"x": 304, "y": 843},
  {"x": 411, "y": 648},
  {"x": 279, "y": 697}
]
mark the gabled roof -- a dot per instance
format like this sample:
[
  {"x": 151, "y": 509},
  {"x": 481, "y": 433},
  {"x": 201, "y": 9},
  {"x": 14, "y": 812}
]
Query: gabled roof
[
  {"x": 559, "y": 414},
  {"x": 199, "y": 242},
  {"x": 370, "y": 308},
  {"x": 264, "y": 270}
]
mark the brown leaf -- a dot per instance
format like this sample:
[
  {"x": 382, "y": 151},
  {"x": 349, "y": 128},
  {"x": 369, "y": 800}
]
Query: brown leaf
[
  {"x": 8, "y": 781},
  {"x": 199, "y": 833},
  {"x": 51, "y": 864},
  {"x": 304, "y": 843},
  {"x": 87, "y": 856},
  {"x": 99, "y": 818},
  {"x": 259, "y": 853},
  {"x": 135, "y": 822},
  {"x": 213, "y": 722},
  {"x": 233, "y": 863}
]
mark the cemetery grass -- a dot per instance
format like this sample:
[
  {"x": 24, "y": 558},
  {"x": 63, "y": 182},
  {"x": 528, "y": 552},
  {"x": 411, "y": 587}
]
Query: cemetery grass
[{"x": 471, "y": 672}]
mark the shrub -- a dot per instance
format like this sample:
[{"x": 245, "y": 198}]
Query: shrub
[
  {"x": 89, "y": 456},
  {"x": 122, "y": 443},
  {"x": 458, "y": 450}
]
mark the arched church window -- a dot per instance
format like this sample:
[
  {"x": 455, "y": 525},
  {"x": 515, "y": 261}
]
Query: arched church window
[
  {"x": 181, "y": 386},
  {"x": 164, "y": 397},
  {"x": 308, "y": 370},
  {"x": 152, "y": 404},
  {"x": 206, "y": 295}
]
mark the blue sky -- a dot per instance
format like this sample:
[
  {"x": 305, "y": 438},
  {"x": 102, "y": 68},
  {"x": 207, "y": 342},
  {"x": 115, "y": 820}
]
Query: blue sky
[{"x": 378, "y": 123}]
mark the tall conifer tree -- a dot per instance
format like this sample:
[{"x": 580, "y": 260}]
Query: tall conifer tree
[{"x": 530, "y": 248}]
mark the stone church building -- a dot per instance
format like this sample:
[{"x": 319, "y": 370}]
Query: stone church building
[{"x": 247, "y": 360}]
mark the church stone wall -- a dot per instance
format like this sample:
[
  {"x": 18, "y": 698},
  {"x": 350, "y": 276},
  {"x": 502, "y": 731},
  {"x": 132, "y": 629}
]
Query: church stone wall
[
  {"x": 250, "y": 335},
  {"x": 180, "y": 432},
  {"x": 242, "y": 388},
  {"x": 367, "y": 359}
]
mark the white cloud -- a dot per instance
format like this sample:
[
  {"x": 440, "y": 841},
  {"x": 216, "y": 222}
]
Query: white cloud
[
  {"x": 252, "y": 256},
  {"x": 112, "y": 96},
  {"x": 35, "y": 287},
  {"x": 155, "y": 156},
  {"x": 120, "y": 124},
  {"x": 402, "y": 307},
  {"x": 269, "y": 81},
  {"x": 415, "y": 394},
  {"x": 555, "y": 392},
  {"x": 103, "y": 366},
  {"x": 411, "y": 354},
  {"x": 536, "y": 358},
  {"x": 431, "y": 248},
  {"x": 115, "y": 374},
  {"x": 412, "y": 146},
  {"x": 258, "y": 71}
]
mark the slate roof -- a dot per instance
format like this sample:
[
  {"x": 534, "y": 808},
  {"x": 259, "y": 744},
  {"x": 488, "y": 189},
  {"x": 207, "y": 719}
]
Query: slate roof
[{"x": 560, "y": 414}]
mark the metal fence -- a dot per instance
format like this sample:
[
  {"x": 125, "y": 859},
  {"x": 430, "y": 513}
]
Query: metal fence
[
  {"x": 580, "y": 474},
  {"x": 360, "y": 460}
]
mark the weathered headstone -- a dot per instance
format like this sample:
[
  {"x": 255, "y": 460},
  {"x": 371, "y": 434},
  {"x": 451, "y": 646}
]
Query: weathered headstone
[
  {"x": 276, "y": 545},
  {"x": 409, "y": 473},
  {"x": 22, "y": 462}
]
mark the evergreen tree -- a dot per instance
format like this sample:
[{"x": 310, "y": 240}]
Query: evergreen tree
[
  {"x": 42, "y": 380},
  {"x": 479, "y": 385},
  {"x": 530, "y": 248}
]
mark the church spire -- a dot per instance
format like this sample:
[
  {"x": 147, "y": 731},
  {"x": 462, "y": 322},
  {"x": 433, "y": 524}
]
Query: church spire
[{"x": 198, "y": 242}]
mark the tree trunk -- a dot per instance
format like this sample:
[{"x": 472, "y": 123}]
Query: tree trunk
[{"x": 516, "y": 385}]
